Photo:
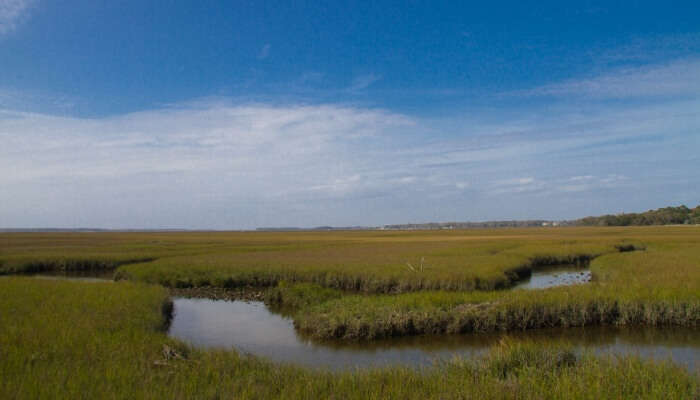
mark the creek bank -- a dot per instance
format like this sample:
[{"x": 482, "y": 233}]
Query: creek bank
[
  {"x": 493, "y": 317},
  {"x": 66, "y": 266},
  {"x": 245, "y": 293}
]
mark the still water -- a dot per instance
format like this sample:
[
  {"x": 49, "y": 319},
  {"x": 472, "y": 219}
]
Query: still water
[
  {"x": 250, "y": 327},
  {"x": 557, "y": 275}
]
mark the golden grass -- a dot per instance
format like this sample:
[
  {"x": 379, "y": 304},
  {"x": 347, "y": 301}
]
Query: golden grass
[{"x": 452, "y": 292}]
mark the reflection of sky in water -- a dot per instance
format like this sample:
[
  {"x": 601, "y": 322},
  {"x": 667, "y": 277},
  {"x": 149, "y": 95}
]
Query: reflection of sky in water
[
  {"x": 252, "y": 328},
  {"x": 562, "y": 275},
  {"x": 248, "y": 326}
]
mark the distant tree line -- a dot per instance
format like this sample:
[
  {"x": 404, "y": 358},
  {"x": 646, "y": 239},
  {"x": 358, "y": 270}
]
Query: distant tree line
[
  {"x": 661, "y": 216},
  {"x": 467, "y": 225}
]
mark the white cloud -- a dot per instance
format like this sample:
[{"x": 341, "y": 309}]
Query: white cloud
[
  {"x": 590, "y": 183},
  {"x": 363, "y": 82},
  {"x": 254, "y": 140},
  {"x": 515, "y": 181},
  {"x": 581, "y": 178},
  {"x": 216, "y": 165},
  {"x": 516, "y": 185},
  {"x": 677, "y": 78},
  {"x": 613, "y": 179},
  {"x": 12, "y": 12}
]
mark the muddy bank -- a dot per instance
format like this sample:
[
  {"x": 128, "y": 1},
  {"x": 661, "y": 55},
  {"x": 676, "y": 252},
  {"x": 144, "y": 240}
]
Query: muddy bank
[{"x": 248, "y": 293}]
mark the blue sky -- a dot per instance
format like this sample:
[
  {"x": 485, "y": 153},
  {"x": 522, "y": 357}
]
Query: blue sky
[{"x": 233, "y": 115}]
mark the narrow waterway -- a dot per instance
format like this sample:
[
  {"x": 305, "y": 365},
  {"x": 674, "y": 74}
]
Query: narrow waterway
[
  {"x": 556, "y": 275},
  {"x": 251, "y": 328}
]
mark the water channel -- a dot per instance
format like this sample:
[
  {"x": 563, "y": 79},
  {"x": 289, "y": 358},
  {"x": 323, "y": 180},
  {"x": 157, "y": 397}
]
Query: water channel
[
  {"x": 556, "y": 275},
  {"x": 250, "y": 327}
]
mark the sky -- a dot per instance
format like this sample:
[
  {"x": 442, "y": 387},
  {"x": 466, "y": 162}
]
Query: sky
[{"x": 237, "y": 115}]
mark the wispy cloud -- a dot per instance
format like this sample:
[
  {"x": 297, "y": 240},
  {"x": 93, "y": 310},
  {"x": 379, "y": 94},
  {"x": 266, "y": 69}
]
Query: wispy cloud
[
  {"x": 211, "y": 152},
  {"x": 516, "y": 185},
  {"x": 256, "y": 138},
  {"x": 649, "y": 49},
  {"x": 678, "y": 78},
  {"x": 363, "y": 82},
  {"x": 590, "y": 182},
  {"x": 12, "y": 12}
]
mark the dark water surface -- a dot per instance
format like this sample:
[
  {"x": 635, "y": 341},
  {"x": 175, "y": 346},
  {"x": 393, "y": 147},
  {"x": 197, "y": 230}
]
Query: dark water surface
[
  {"x": 251, "y": 328},
  {"x": 556, "y": 275}
]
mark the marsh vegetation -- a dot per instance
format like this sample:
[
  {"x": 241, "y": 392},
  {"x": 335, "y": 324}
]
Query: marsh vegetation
[{"x": 61, "y": 338}]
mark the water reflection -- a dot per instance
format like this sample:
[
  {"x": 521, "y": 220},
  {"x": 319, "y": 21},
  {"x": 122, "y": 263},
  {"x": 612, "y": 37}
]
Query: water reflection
[
  {"x": 252, "y": 328},
  {"x": 557, "y": 275}
]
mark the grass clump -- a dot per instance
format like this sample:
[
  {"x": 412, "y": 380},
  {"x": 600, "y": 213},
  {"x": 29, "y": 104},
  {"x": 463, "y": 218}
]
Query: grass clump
[
  {"x": 375, "y": 317},
  {"x": 300, "y": 295}
]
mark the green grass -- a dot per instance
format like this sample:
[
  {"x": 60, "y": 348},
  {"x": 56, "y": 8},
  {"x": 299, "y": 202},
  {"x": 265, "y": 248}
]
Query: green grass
[
  {"x": 370, "y": 265},
  {"x": 374, "y": 284},
  {"x": 373, "y": 262},
  {"x": 660, "y": 286},
  {"x": 61, "y": 339}
]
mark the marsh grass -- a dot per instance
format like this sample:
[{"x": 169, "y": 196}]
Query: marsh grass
[
  {"x": 374, "y": 262},
  {"x": 629, "y": 289},
  {"x": 371, "y": 261},
  {"x": 67, "y": 340},
  {"x": 374, "y": 317},
  {"x": 659, "y": 286},
  {"x": 356, "y": 285}
]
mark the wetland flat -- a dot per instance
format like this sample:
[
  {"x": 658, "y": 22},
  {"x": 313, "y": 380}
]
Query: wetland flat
[{"x": 363, "y": 312}]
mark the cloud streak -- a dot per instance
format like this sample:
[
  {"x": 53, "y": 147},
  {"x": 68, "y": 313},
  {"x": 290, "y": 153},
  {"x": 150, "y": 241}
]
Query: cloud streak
[
  {"x": 362, "y": 82},
  {"x": 12, "y": 12},
  {"x": 673, "y": 79}
]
